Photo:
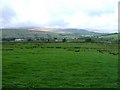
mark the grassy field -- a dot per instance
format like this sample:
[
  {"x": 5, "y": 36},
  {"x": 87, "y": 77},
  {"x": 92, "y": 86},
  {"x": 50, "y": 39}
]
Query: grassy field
[
  {"x": 113, "y": 36},
  {"x": 60, "y": 65}
]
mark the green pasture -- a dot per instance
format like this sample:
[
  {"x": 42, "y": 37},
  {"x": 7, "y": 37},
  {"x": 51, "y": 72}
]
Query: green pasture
[
  {"x": 113, "y": 36},
  {"x": 59, "y": 65}
]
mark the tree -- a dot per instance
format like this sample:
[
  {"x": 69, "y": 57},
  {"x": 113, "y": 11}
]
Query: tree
[
  {"x": 88, "y": 40},
  {"x": 64, "y": 40},
  {"x": 29, "y": 39}
]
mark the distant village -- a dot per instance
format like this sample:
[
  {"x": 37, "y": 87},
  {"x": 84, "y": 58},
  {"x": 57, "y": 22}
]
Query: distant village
[
  {"x": 84, "y": 39},
  {"x": 34, "y": 39}
]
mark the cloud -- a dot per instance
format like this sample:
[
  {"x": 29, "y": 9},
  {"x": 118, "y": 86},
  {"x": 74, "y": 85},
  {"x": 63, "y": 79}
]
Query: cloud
[
  {"x": 88, "y": 14},
  {"x": 7, "y": 15},
  {"x": 103, "y": 22}
]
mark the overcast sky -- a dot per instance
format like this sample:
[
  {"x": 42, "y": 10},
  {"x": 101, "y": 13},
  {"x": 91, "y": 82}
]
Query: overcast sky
[{"x": 98, "y": 15}]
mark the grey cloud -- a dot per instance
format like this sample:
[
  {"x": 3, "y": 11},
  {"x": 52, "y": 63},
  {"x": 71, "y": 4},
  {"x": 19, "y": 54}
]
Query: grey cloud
[
  {"x": 59, "y": 23},
  {"x": 99, "y": 12},
  {"x": 7, "y": 15}
]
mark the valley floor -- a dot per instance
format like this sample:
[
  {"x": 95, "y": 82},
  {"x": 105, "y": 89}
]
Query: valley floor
[{"x": 60, "y": 65}]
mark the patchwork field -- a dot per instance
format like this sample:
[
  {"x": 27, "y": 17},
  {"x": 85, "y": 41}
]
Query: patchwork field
[{"x": 60, "y": 65}]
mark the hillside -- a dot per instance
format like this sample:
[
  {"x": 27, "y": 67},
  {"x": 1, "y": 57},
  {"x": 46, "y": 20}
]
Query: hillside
[
  {"x": 113, "y": 36},
  {"x": 45, "y": 32}
]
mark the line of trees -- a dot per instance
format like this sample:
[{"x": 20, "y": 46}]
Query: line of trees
[
  {"x": 86, "y": 39},
  {"x": 35, "y": 39}
]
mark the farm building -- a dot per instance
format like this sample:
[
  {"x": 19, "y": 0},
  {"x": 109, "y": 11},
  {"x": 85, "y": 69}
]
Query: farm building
[{"x": 19, "y": 39}]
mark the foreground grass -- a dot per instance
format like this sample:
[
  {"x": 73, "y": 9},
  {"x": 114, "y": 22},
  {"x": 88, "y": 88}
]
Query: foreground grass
[{"x": 73, "y": 65}]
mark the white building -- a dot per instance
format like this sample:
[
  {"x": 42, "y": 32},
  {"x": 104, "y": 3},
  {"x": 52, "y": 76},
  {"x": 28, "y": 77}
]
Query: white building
[{"x": 18, "y": 40}]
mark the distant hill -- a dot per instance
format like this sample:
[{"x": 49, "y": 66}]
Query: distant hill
[
  {"x": 45, "y": 33},
  {"x": 80, "y": 31},
  {"x": 113, "y": 36}
]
